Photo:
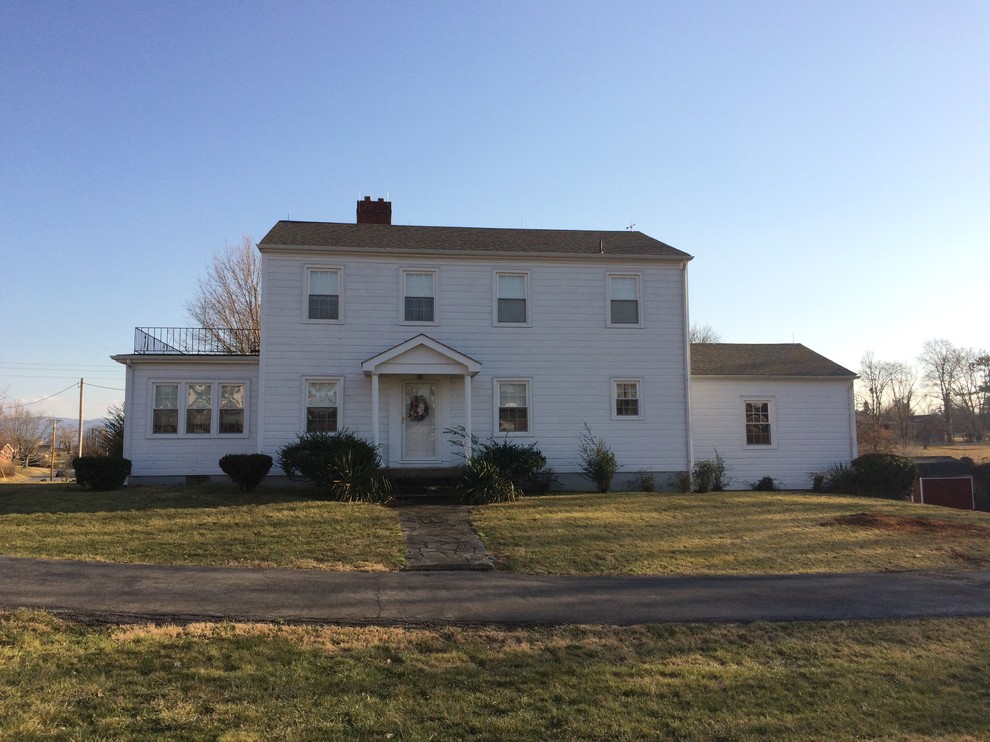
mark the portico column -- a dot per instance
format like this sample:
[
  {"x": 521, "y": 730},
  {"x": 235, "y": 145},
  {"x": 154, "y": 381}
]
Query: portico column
[
  {"x": 374, "y": 408},
  {"x": 467, "y": 415}
]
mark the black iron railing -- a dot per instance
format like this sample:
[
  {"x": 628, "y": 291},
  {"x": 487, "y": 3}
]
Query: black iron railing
[{"x": 197, "y": 341}]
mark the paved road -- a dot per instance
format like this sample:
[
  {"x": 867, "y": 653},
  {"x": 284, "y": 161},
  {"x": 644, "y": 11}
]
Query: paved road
[{"x": 120, "y": 592}]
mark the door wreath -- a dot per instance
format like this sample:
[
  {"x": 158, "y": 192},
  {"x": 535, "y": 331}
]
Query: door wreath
[{"x": 419, "y": 408}]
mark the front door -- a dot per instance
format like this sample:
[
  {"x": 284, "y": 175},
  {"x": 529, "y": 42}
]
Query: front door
[{"x": 420, "y": 413}]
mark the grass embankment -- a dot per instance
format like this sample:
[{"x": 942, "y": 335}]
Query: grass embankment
[
  {"x": 916, "y": 679},
  {"x": 729, "y": 533},
  {"x": 202, "y": 525}
]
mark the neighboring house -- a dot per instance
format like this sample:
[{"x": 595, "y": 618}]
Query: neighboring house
[{"x": 400, "y": 332}]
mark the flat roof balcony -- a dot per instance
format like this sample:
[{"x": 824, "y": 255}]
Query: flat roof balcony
[{"x": 196, "y": 341}]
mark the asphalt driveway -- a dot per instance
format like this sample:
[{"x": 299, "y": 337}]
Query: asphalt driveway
[{"x": 134, "y": 592}]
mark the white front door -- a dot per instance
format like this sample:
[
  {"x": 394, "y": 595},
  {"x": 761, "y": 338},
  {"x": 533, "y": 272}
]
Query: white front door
[{"x": 420, "y": 414}]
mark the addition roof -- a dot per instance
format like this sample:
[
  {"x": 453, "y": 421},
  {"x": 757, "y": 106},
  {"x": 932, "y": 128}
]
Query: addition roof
[
  {"x": 400, "y": 238},
  {"x": 762, "y": 359}
]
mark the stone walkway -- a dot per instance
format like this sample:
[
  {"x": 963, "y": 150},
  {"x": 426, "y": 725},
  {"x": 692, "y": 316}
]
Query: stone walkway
[{"x": 440, "y": 537}]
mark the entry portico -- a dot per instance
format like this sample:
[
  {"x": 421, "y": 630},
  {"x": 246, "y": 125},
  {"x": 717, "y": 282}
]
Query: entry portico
[{"x": 416, "y": 361}]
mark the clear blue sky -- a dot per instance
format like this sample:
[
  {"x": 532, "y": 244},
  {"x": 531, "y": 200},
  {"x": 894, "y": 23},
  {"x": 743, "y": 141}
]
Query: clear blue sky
[{"x": 827, "y": 163}]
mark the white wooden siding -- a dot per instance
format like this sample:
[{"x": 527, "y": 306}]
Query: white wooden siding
[
  {"x": 567, "y": 350},
  {"x": 181, "y": 454},
  {"x": 812, "y": 427}
]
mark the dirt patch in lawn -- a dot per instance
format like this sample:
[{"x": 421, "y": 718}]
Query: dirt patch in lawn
[{"x": 906, "y": 524}]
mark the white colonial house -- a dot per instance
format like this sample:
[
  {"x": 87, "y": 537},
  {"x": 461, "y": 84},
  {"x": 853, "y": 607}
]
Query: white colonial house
[{"x": 400, "y": 332}]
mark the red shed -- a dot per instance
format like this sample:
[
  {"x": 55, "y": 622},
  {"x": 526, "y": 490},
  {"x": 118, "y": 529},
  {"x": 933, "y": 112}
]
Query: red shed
[{"x": 944, "y": 481}]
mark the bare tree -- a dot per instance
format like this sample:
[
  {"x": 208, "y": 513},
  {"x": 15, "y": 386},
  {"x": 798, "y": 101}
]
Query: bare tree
[
  {"x": 942, "y": 365},
  {"x": 229, "y": 298},
  {"x": 903, "y": 380},
  {"x": 24, "y": 431},
  {"x": 876, "y": 379},
  {"x": 972, "y": 389},
  {"x": 704, "y": 334}
]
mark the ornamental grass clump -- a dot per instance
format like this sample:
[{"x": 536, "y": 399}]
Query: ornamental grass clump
[
  {"x": 347, "y": 467},
  {"x": 598, "y": 462},
  {"x": 498, "y": 470}
]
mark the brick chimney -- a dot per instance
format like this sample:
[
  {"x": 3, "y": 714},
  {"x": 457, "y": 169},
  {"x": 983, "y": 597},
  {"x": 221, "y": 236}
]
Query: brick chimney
[{"x": 374, "y": 212}]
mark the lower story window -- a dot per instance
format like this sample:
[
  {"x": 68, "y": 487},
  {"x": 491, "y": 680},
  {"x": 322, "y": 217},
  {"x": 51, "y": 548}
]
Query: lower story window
[
  {"x": 627, "y": 399},
  {"x": 321, "y": 406},
  {"x": 513, "y": 406},
  {"x": 199, "y": 408},
  {"x": 758, "y": 423},
  {"x": 232, "y": 408},
  {"x": 165, "y": 416}
]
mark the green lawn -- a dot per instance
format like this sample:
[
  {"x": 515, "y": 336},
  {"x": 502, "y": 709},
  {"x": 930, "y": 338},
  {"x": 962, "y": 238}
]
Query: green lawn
[
  {"x": 917, "y": 679},
  {"x": 204, "y": 524},
  {"x": 728, "y": 533}
]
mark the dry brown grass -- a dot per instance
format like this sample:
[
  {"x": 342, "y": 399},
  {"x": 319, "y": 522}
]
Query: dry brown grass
[{"x": 979, "y": 452}]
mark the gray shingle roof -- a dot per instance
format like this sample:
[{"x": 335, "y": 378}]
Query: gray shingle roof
[
  {"x": 400, "y": 238},
  {"x": 762, "y": 359}
]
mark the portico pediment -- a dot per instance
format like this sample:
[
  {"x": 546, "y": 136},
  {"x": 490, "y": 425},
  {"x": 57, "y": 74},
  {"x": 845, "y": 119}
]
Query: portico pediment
[{"x": 421, "y": 355}]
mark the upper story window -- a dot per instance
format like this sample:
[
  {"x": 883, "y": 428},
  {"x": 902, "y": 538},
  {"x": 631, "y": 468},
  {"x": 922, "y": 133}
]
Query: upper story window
[
  {"x": 626, "y": 397},
  {"x": 511, "y": 291},
  {"x": 321, "y": 406},
  {"x": 165, "y": 415},
  {"x": 419, "y": 296},
  {"x": 513, "y": 406},
  {"x": 623, "y": 300},
  {"x": 323, "y": 293},
  {"x": 758, "y": 422}
]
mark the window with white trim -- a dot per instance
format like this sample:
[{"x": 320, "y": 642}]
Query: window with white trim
[
  {"x": 623, "y": 300},
  {"x": 199, "y": 408},
  {"x": 165, "y": 413},
  {"x": 625, "y": 394},
  {"x": 510, "y": 293},
  {"x": 231, "y": 409},
  {"x": 758, "y": 422},
  {"x": 321, "y": 406},
  {"x": 512, "y": 398},
  {"x": 419, "y": 296},
  {"x": 323, "y": 293}
]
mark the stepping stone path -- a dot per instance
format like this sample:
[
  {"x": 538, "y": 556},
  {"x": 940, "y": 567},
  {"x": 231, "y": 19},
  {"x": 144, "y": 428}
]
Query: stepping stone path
[{"x": 440, "y": 537}]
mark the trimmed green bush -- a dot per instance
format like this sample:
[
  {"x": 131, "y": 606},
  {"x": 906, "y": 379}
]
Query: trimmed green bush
[
  {"x": 347, "y": 467},
  {"x": 246, "y": 469},
  {"x": 598, "y": 462},
  {"x": 884, "y": 475},
  {"x": 101, "y": 473},
  {"x": 765, "y": 484},
  {"x": 839, "y": 479}
]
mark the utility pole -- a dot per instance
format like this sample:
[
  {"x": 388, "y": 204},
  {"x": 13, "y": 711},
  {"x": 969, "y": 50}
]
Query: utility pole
[
  {"x": 81, "y": 383},
  {"x": 54, "y": 428}
]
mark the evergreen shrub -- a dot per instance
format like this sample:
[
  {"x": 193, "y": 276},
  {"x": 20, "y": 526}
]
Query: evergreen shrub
[{"x": 101, "y": 473}]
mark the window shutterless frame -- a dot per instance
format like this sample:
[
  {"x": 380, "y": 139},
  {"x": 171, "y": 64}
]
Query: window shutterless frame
[
  {"x": 623, "y": 300},
  {"x": 199, "y": 409},
  {"x": 627, "y": 399},
  {"x": 322, "y": 399},
  {"x": 511, "y": 305},
  {"x": 323, "y": 294},
  {"x": 418, "y": 302},
  {"x": 759, "y": 422},
  {"x": 513, "y": 407}
]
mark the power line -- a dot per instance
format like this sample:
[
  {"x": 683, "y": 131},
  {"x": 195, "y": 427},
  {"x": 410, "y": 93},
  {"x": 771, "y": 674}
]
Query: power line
[
  {"x": 71, "y": 386},
  {"x": 111, "y": 388}
]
